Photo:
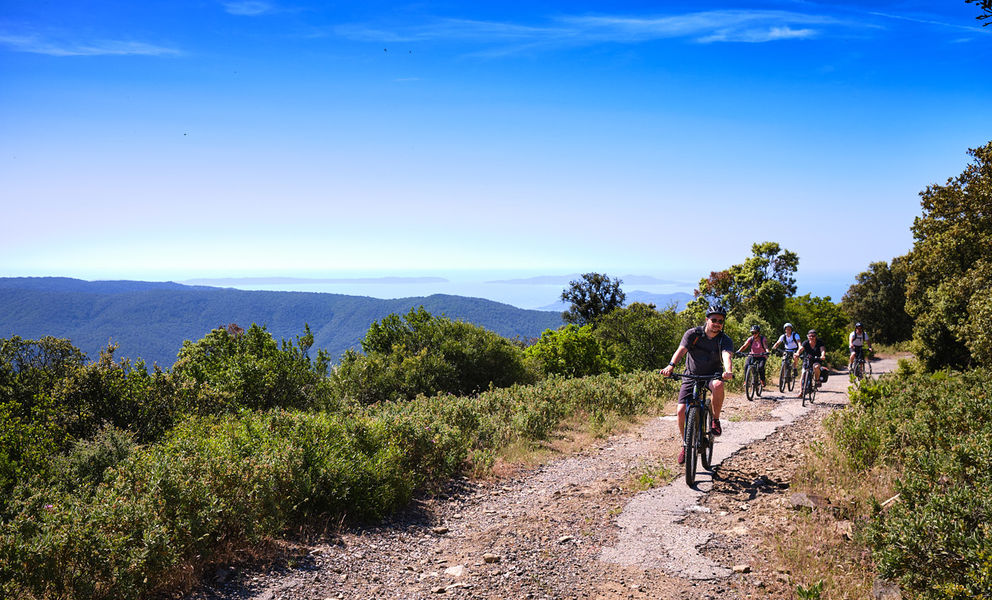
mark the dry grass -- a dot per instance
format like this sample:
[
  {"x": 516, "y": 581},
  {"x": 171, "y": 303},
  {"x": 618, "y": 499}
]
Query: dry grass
[{"x": 823, "y": 544}]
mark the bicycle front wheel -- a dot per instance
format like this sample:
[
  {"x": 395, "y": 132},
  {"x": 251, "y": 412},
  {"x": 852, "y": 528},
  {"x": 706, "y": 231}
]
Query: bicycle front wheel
[
  {"x": 691, "y": 445},
  {"x": 804, "y": 386},
  {"x": 750, "y": 382},
  {"x": 706, "y": 442},
  {"x": 783, "y": 375}
]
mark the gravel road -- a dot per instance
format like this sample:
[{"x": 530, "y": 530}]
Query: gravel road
[{"x": 584, "y": 526}]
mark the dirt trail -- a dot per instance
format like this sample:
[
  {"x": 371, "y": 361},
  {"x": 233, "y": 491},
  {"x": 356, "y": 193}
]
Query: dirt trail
[{"x": 583, "y": 526}]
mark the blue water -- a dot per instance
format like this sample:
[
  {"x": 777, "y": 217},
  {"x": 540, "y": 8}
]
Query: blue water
[{"x": 517, "y": 288}]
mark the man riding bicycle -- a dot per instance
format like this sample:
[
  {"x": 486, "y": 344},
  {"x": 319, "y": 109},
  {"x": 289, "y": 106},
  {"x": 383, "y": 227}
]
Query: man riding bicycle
[
  {"x": 757, "y": 346},
  {"x": 709, "y": 350},
  {"x": 790, "y": 339},
  {"x": 817, "y": 351},
  {"x": 856, "y": 342}
]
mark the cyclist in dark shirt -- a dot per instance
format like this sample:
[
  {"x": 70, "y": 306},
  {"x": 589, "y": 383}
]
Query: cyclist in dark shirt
[
  {"x": 710, "y": 351},
  {"x": 817, "y": 351}
]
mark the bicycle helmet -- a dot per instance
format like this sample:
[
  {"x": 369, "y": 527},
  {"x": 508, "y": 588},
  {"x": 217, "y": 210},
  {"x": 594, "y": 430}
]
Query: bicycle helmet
[
  {"x": 811, "y": 332},
  {"x": 856, "y": 325},
  {"x": 789, "y": 325},
  {"x": 716, "y": 309},
  {"x": 755, "y": 329}
]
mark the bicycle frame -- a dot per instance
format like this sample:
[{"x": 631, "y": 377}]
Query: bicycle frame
[{"x": 697, "y": 438}]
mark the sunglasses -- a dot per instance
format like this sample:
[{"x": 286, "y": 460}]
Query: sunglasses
[{"x": 717, "y": 321}]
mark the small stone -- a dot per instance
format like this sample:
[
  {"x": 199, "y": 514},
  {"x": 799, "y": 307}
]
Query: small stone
[
  {"x": 455, "y": 571},
  {"x": 742, "y": 568},
  {"x": 440, "y": 530},
  {"x": 490, "y": 558},
  {"x": 438, "y": 590},
  {"x": 565, "y": 539},
  {"x": 699, "y": 509}
]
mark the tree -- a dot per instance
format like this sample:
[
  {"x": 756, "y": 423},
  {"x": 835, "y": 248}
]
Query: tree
[
  {"x": 878, "y": 300},
  {"x": 822, "y": 314},
  {"x": 760, "y": 285},
  {"x": 592, "y": 297},
  {"x": 639, "y": 337},
  {"x": 986, "y": 6},
  {"x": 949, "y": 267}
]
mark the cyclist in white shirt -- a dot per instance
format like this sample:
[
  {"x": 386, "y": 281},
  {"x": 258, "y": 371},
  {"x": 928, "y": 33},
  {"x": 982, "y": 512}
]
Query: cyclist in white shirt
[
  {"x": 791, "y": 341},
  {"x": 856, "y": 342}
]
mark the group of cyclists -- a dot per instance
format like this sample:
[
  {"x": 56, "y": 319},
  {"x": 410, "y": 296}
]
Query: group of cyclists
[{"x": 711, "y": 351}]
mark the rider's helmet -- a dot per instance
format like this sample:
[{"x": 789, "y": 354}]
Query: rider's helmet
[
  {"x": 788, "y": 325},
  {"x": 858, "y": 325},
  {"x": 755, "y": 329},
  {"x": 716, "y": 309},
  {"x": 811, "y": 332}
]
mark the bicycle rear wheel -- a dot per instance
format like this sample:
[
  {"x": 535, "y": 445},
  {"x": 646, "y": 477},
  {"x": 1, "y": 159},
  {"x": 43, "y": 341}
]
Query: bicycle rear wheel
[{"x": 691, "y": 447}]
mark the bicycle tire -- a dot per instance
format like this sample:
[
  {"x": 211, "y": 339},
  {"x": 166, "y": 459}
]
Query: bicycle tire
[
  {"x": 859, "y": 370},
  {"x": 804, "y": 386},
  {"x": 792, "y": 382},
  {"x": 868, "y": 369},
  {"x": 783, "y": 376},
  {"x": 749, "y": 382},
  {"x": 812, "y": 387},
  {"x": 691, "y": 449},
  {"x": 758, "y": 388},
  {"x": 706, "y": 442}
]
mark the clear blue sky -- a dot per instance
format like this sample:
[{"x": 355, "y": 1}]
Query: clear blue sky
[{"x": 171, "y": 140}]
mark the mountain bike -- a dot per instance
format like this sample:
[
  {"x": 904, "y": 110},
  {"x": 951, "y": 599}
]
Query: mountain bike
[
  {"x": 752, "y": 374},
  {"x": 807, "y": 384},
  {"x": 785, "y": 376},
  {"x": 862, "y": 368},
  {"x": 698, "y": 416}
]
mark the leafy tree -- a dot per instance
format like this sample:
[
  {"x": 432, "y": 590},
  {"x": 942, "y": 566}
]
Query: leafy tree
[
  {"x": 592, "y": 297},
  {"x": 986, "y": 7},
  {"x": 878, "y": 300},
  {"x": 233, "y": 368},
  {"x": 759, "y": 285},
  {"x": 639, "y": 337},
  {"x": 822, "y": 314},
  {"x": 571, "y": 351},
  {"x": 949, "y": 267},
  {"x": 425, "y": 354}
]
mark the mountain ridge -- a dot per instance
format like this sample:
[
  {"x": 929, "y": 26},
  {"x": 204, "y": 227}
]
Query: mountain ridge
[{"x": 150, "y": 320}]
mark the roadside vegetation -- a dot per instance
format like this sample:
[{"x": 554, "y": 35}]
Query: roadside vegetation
[
  {"x": 117, "y": 481},
  {"x": 907, "y": 467}
]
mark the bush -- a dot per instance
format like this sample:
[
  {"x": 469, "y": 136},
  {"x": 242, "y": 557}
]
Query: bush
[
  {"x": 423, "y": 354},
  {"x": 639, "y": 337},
  {"x": 571, "y": 351},
  {"x": 936, "y": 431}
]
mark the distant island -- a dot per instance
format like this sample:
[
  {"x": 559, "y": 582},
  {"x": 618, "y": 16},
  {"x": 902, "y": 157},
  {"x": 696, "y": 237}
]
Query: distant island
[{"x": 223, "y": 281}]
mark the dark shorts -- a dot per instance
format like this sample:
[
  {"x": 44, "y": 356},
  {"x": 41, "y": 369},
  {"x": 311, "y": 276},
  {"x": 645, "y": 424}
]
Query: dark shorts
[
  {"x": 685, "y": 392},
  {"x": 858, "y": 351}
]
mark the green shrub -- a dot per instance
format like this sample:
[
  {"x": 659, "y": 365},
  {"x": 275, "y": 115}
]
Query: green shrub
[
  {"x": 639, "y": 337},
  {"x": 571, "y": 351},
  {"x": 936, "y": 431},
  {"x": 423, "y": 354}
]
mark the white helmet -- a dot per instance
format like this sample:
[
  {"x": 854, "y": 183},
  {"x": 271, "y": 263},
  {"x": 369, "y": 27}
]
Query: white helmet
[{"x": 789, "y": 325}]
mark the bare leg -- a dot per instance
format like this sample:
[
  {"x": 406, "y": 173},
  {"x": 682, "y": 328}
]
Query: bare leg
[
  {"x": 682, "y": 420},
  {"x": 718, "y": 392}
]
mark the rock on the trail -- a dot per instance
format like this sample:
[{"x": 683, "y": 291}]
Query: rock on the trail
[
  {"x": 742, "y": 568},
  {"x": 455, "y": 571},
  {"x": 491, "y": 558}
]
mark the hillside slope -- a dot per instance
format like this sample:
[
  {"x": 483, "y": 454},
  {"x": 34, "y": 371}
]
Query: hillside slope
[{"x": 150, "y": 320}]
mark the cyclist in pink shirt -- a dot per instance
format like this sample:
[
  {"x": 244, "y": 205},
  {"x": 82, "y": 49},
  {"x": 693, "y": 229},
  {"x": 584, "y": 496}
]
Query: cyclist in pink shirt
[{"x": 757, "y": 344}]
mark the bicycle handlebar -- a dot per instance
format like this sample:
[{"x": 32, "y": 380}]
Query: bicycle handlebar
[{"x": 692, "y": 377}]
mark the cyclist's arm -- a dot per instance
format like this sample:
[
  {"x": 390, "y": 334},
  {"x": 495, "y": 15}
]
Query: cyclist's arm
[
  {"x": 728, "y": 365},
  {"x": 667, "y": 371}
]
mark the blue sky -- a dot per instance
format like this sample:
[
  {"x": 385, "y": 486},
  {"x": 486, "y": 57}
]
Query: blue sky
[{"x": 173, "y": 140}]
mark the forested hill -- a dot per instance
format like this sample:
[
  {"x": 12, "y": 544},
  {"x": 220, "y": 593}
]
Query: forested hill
[{"x": 150, "y": 320}]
